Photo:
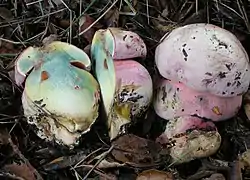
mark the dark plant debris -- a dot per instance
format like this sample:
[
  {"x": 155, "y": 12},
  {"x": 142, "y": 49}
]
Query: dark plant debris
[{"x": 26, "y": 23}]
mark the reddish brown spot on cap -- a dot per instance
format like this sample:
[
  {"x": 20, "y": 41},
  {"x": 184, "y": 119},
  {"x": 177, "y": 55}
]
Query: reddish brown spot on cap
[
  {"x": 105, "y": 64},
  {"x": 44, "y": 75},
  {"x": 78, "y": 65}
]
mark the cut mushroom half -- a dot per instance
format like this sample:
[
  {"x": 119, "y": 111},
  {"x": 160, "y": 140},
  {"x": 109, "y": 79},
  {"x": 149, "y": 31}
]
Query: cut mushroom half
[
  {"x": 107, "y": 46},
  {"x": 61, "y": 98},
  {"x": 33, "y": 57}
]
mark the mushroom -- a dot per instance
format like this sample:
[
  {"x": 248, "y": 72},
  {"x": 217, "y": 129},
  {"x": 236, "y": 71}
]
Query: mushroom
[
  {"x": 116, "y": 73},
  {"x": 127, "y": 44},
  {"x": 33, "y": 56},
  {"x": 108, "y": 45},
  {"x": 206, "y": 71},
  {"x": 60, "y": 97},
  {"x": 246, "y": 104},
  {"x": 206, "y": 58},
  {"x": 189, "y": 138},
  {"x": 133, "y": 96},
  {"x": 174, "y": 99}
]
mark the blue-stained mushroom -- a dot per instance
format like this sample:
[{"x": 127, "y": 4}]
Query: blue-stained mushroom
[
  {"x": 126, "y": 86},
  {"x": 60, "y": 97}
]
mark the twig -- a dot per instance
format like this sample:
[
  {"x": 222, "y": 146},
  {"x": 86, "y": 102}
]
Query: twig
[
  {"x": 208, "y": 16},
  {"x": 47, "y": 26},
  {"x": 34, "y": 2},
  {"x": 243, "y": 12},
  {"x": 10, "y": 41},
  {"x": 90, "y": 154},
  {"x": 70, "y": 21},
  {"x": 134, "y": 12},
  {"x": 98, "y": 162},
  {"x": 23, "y": 42},
  {"x": 196, "y": 7},
  {"x": 30, "y": 19},
  {"x": 101, "y": 139},
  {"x": 147, "y": 11},
  {"x": 85, "y": 10},
  {"x": 98, "y": 19},
  {"x": 12, "y": 128}
]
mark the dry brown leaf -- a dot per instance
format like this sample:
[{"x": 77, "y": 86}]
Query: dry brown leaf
[
  {"x": 136, "y": 151},
  {"x": 4, "y": 138},
  {"x": 8, "y": 48},
  {"x": 64, "y": 23},
  {"x": 216, "y": 176},
  {"x": 84, "y": 22},
  {"x": 20, "y": 170},
  {"x": 87, "y": 49},
  {"x": 5, "y": 14},
  {"x": 111, "y": 18},
  {"x": 110, "y": 177},
  {"x": 163, "y": 26},
  {"x": 154, "y": 174}
]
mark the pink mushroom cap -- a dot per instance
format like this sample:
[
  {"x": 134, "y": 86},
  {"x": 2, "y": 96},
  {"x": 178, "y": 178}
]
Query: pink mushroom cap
[
  {"x": 175, "y": 99},
  {"x": 134, "y": 84}
]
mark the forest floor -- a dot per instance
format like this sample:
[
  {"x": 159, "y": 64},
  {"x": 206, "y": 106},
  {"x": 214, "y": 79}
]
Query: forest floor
[{"x": 25, "y": 23}]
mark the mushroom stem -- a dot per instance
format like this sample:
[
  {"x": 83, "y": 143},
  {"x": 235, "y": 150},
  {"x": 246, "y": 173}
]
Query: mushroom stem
[
  {"x": 189, "y": 138},
  {"x": 119, "y": 116}
]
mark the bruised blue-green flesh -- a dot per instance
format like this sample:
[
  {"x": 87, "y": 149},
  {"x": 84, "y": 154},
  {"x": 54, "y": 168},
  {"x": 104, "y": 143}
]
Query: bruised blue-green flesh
[
  {"x": 28, "y": 59},
  {"x": 71, "y": 52},
  {"x": 65, "y": 90},
  {"x": 32, "y": 57},
  {"x": 102, "y": 49}
]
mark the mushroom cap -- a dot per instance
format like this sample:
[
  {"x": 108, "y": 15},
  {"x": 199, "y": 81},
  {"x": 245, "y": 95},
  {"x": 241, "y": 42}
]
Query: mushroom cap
[
  {"x": 206, "y": 58},
  {"x": 174, "y": 99},
  {"x": 34, "y": 56},
  {"x": 134, "y": 85},
  {"x": 192, "y": 138},
  {"x": 127, "y": 44},
  {"x": 133, "y": 95},
  {"x": 60, "y": 96}
]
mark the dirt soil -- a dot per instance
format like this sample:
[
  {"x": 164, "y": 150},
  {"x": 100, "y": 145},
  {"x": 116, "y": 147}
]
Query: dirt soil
[{"x": 25, "y": 23}]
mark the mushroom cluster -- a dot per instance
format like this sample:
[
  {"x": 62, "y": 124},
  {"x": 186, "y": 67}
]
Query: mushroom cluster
[
  {"x": 204, "y": 73},
  {"x": 62, "y": 98}
]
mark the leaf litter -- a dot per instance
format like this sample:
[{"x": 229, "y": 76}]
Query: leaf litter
[{"x": 133, "y": 156}]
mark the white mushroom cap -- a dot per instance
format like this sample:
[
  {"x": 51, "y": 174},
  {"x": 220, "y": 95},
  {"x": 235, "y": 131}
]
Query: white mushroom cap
[{"x": 206, "y": 58}]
